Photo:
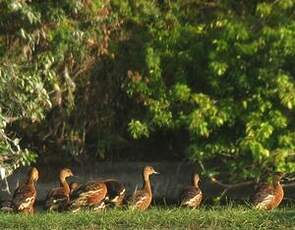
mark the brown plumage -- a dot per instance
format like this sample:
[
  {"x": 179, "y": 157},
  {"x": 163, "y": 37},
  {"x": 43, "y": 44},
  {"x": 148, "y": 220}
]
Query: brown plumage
[
  {"x": 192, "y": 195},
  {"x": 25, "y": 195},
  {"x": 269, "y": 196},
  {"x": 115, "y": 192},
  {"x": 58, "y": 198},
  {"x": 90, "y": 195},
  {"x": 142, "y": 198}
]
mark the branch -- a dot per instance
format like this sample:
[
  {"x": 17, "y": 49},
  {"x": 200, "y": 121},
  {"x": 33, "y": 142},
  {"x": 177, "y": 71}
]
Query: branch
[
  {"x": 7, "y": 188},
  {"x": 10, "y": 120},
  {"x": 289, "y": 185},
  {"x": 231, "y": 186}
]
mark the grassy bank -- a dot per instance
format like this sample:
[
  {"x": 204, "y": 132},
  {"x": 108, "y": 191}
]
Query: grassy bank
[{"x": 164, "y": 218}]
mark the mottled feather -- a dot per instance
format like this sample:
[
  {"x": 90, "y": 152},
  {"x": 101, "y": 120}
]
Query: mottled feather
[
  {"x": 264, "y": 196},
  {"x": 57, "y": 199},
  {"x": 141, "y": 199},
  {"x": 25, "y": 195},
  {"x": 115, "y": 192},
  {"x": 191, "y": 197},
  {"x": 269, "y": 196},
  {"x": 88, "y": 195}
]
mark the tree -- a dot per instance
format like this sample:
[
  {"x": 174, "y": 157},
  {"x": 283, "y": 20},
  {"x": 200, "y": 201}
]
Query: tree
[
  {"x": 217, "y": 75},
  {"x": 47, "y": 49},
  {"x": 222, "y": 71}
]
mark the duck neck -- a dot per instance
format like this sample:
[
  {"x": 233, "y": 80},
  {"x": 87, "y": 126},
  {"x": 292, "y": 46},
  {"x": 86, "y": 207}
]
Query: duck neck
[
  {"x": 147, "y": 183},
  {"x": 276, "y": 184},
  {"x": 195, "y": 183},
  {"x": 64, "y": 184},
  {"x": 30, "y": 181}
]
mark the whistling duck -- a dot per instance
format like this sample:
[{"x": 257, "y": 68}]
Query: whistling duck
[
  {"x": 25, "y": 195},
  {"x": 142, "y": 198},
  {"x": 192, "y": 195},
  {"x": 90, "y": 195},
  {"x": 58, "y": 198},
  {"x": 115, "y": 192},
  {"x": 269, "y": 196}
]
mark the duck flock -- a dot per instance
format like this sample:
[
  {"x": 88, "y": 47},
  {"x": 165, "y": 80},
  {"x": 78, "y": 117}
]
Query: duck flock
[{"x": 96, "y": 195}]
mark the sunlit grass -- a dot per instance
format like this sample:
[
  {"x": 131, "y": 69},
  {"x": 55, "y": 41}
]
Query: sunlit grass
[{"x": 156, "y": 218}]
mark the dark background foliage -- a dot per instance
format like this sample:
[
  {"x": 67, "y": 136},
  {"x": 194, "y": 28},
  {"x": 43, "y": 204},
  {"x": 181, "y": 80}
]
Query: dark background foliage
[{"x": 209, "y": 81}]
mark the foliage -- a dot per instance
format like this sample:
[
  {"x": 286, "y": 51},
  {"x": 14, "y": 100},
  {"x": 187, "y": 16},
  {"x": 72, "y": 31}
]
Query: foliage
[
  {"x": 46, "y": 47},
  {"x": 222, "y": 71},
  {"x": 215, "y": 78}
]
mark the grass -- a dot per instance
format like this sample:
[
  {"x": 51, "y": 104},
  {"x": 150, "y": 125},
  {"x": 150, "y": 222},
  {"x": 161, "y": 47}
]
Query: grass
[{"x": 156, "y": 218}]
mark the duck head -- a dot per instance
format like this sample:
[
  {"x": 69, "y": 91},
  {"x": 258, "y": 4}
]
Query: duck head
[
  {"x": 65, "y": 173},
  {"x": 33, "y": 174},
  {"x": 149, "y": 170}
]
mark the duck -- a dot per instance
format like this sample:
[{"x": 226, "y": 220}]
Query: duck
[
  {"x": 269, "y": 196},
  {"x": 25, "y": 195},
  {"x": 58, "y": 198},
  {"x": 89, "y": 195},
  {"x": 116, "y": 192},
  {"x": 191, "y": 196},
  {"x": 142, "y": 198}
]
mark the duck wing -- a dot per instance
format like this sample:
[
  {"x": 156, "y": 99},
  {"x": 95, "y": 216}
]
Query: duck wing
[
  {"x": 263, "y": 196},
  {"x": 191, "y": 196},
  {"x": 89, "y": 194},
  {"x": 88, "y": 189},
  {"x": 56, "y": 198},
  {"x": 139, "y": 197},
  {"x": 116, "y": 192},
  {"x": 24, "y": 197}
]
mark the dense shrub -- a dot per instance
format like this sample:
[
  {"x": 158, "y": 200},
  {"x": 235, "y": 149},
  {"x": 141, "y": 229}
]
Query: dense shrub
[{"x": 217, "y": 76}]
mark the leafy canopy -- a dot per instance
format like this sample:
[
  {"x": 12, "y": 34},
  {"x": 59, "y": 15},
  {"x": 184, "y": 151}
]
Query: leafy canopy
[
  {"x": 219, "y": 75},
  {"x": 45, "y": 49},
  {"x": 223, "y": 71}
]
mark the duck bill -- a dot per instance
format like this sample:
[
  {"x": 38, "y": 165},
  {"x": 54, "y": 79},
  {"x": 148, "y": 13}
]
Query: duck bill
[{"x": 156, "y": 173}]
